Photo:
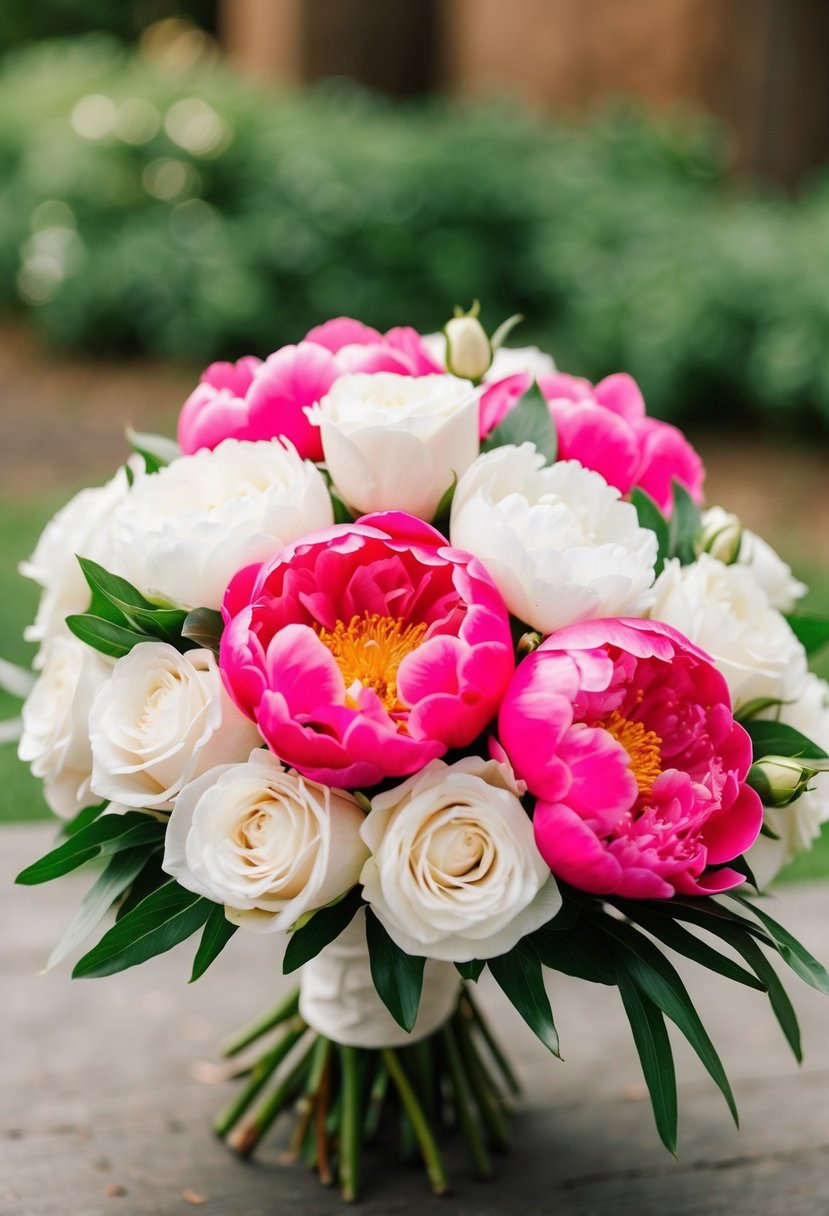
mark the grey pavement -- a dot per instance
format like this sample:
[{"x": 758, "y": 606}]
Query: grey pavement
[{"x": 104, "y": 1110}]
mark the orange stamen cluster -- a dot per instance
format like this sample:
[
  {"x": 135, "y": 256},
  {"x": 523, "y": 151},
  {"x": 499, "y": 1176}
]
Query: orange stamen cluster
[
  {"x": 369, "y": 650},
  {"x": 642, "y": 745}
]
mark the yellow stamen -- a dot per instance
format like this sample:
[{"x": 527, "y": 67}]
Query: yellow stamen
[
  {"x": 642, "y": 745},
  {"x": 369, "y": 650}
]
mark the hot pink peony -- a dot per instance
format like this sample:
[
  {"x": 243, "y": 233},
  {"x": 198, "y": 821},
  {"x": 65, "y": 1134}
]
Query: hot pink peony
[
  {"x": 366, "y": 650},
  {"x": 255, "y": 400},
  {"x": 623, "y": 730},
  {"x": 604, "y": 427}
]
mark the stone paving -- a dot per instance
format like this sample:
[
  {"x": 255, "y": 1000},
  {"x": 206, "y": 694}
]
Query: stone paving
[{"x": 104, "y": 1110}]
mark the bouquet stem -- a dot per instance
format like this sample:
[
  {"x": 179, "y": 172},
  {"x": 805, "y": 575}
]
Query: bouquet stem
[{"x": 344, "y": 1098}]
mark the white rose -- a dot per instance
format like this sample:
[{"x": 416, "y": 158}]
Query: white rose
[
  {"x": 724, "y": 610},
  {"x": 454, "y": 872},
  {"x": 186, "y": 530},
  {"x": 262, "y": 840},
  {"x": 558, "y": 540},
  {"x": 396, "y": 442},
  {"x": 768, "y": 568},
  {"x": 799, "y": 824},
  {"x": 82, "y": 527},
  {"x": 163, "y": 719},
  {"x": 55, "y": 739}
]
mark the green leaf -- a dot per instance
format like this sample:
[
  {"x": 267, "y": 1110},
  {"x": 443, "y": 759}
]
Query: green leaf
[
  {"x": 782, "y": 1007},
  {"x": 107, "y": 835},
  {"x": 684, "y": 525},
  {"x": 811, "y": 631},
  {"x": 156, "y": 450},
  {"x": 216, "y": 934},
  {"x": 658, "y": 980},
  {"x": 116, "y": 600},
  {"x": 529, "y": 421},
  {"x": 519, "y": 975},
  {"x": 162, "y": 920},
  {"x": 677, "y": 938},
  {"x": 471, "y": 970},
  {"x": 651, "y": 517},
  {"x": 398, "y": 977},
  {"x": 577, "y": 952},
  {"x": 122, "y": 870},
  {"x": 150, "y": 879},
  {"x": 777, "y": 739},
  {"x": 444, "y": 507},
  {"x": 83, "y": 818},
  {"x": 654, "y": 1049},
  {"x": 203, "y": 626},
  {"x": 111, "y": 639},
  {"x": 793, "y": 953},
  {"x": 750, "y": 709},
  {"x": 324, "y": 926}
]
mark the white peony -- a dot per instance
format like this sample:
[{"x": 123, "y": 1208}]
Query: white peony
[
  {"x": 454, "y": 872},
  {"x": 730, "y": 542},
  {"x": 162, "y": 720},
  {"x": 55, "y": 739},
  {"x": 724, "y": 610},
  {"x": 185, "y": 531},
  {"x": 558, "y": 541},
  {"x": 797, "y": 825},
  {"x": 397, "y": 442},
  {"x": 262, "y": 840},
  {"x": 83, "y": 528}
]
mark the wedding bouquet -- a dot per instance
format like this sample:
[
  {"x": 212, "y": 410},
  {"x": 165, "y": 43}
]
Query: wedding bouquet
[{"x": 418, "y": 657}]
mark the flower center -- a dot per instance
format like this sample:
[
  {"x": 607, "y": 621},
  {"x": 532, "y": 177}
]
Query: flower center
[
  {"x": 369, "y": 651},
  {"x": 642, "y": 745}
]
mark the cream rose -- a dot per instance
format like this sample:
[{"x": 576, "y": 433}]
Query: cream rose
[
  {"x": 454, "y": 872},
  {"x": 723, "y": 536},
  {"x": 186, "y": 530},
  {"x": 160, "y": 721},
  {"x": 558, "y": 541},
  {"x": 264, "y": 841},
  {"x": 55, "y": 739},
  {"x": 725, "y": 611},
  {"x": 82, "y": 527},
  {"x": 397, "y": 442}
]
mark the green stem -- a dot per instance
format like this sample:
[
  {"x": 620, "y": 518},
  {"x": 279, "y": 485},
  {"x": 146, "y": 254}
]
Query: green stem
[
  {"x": 466, "y": 1115},
  {"x": 287, "y": 1008},
  {"x": 323, "y": 1158},
  {"x": 429, "y": 1149},
  {"x": 495, "y": 1051},
  {"x": 351, "y": 1131},
  {"x": 307, "y": 1102},
  {"x": 485, "y": 1094},
  {"x": 246, "y": 1138},
  {"x": 262, "y": 1071},
  {"x": 376, "y": 1098}
]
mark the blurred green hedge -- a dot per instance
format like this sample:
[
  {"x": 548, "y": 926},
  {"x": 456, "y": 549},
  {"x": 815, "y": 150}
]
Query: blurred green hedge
[
  {"x": 26, "y": 21},
  {"x": 190, "y": 214}
]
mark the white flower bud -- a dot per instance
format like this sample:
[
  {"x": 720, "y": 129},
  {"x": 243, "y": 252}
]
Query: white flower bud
[
  {"x": 721, "y": 535},
  {"x": 779, "y": 779},
  {"x": 468, "y": 349}
]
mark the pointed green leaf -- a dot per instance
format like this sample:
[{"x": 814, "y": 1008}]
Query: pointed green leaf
[
  {"x": 216, "y": 934},
  {"x": 793, "y": 952},
  {"x": 777, "y": 739},
  {"x": 654, "y": 1050},
  {"x": 658, "y": 980},
  {"x": 108, "y": 637},
  {"x": 519, "y": 975},
  {"x": 811, "y": 631},
  {"x": 651, "y": 517},
  {"x": 677, "y": 938},
  {"x": 684, "y": 525},
  {"x": 750, "y": 709},
  {"x": 577, "y": 952},
  {"x": 118, "y": 601},
  {"x": 150, "y": 879},
  {"x": 323, "y": 927},
  {"x": 107, "y": 835},
  {"x": 123, "y": 868},
  {"x": 398, "y": 977},
  {"x": 162, "y": 920},
  {"x": 529, "y": 421},
  {"x": 444, "y": 507},
  {"x": 471, "y": 970},
  {"x": 782, "y": 1007},
  {"x": 83, "y": 818},
  {"x": 156, "y": 450},
  {"x": 204, "y": 627}
]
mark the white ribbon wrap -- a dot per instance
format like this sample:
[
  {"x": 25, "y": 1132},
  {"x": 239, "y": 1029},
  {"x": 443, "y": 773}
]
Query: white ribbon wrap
[{"x": 338, "y": 998}]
